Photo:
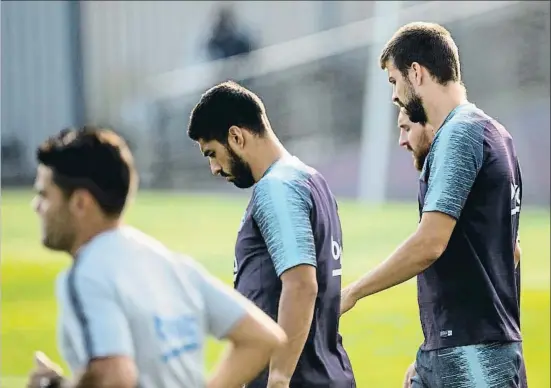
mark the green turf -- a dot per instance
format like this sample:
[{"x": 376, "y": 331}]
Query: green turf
[{"x": 381, "y": 335}]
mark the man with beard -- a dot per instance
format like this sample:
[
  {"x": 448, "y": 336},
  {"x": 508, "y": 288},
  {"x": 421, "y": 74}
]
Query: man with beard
[
  {"x": 415, "y": 137},
  {"x": 465, "y": 250},
  {"x": 287, "y": 254},
  {"x": 132, "y": 313}
]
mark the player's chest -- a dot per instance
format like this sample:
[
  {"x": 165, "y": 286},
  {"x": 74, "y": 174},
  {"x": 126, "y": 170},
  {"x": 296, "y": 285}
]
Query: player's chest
[
  {"x": 249, "y": 239},
  {"x": 70, "y": 336},
  {"x": 251, "y": 252}
]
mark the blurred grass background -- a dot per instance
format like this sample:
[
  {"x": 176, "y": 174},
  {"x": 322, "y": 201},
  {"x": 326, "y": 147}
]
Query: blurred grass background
[{"x": 381, "y": 335}]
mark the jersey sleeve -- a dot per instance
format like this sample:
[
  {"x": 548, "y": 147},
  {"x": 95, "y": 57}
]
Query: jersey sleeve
[
  {"x": 104, "y": 326},
  {"x": 282, "y": 213},
  {"x": 224, "y": 307},
  {"x": 455, "y": 164}
]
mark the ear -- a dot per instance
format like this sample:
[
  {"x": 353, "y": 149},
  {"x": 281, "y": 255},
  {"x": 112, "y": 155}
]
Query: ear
[
  {"x": 80, "y": 201},
  {"x": 416, "y": 74},
  {"x": 236, "y": 136}
]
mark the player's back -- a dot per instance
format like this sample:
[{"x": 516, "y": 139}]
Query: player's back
[
  {"x": 470, "y": 295},
  {"x": 324, "y": 362},
  {"x": 158, "y": 296}
]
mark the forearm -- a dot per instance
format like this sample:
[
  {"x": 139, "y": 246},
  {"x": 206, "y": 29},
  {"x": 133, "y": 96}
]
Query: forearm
[
  {"x": 239, "y": 365},
  {"x": 103, "y": 376},
  {"x": 84, "y": 380},
  {"x": 88, "y": 380},
  {"x": 410, "y": 259},
  {"x": 518, "y": 254},
  {"x": 296, "y": 309}
]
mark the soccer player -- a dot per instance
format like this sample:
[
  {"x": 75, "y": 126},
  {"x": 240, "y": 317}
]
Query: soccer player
[
  {"x": 463, "y": 252},
  {"x": 289, "y": 244},
  {"x": 132, "y": 313},
  {"x": 415, "y": 137}
]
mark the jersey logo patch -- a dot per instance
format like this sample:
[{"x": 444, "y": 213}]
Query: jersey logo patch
[
  {"x": 235, "y": 269},
  {"x": 515, "y": 199},
  {"x": 179, "y": 335},
  {"x": 336, "y": 252}
]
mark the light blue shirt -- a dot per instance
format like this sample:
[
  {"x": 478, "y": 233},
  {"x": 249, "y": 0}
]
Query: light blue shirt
[
  {"x": 128, "y": 295},
  {"x": 282, "y": 205},
  {"x": 454, "y": 160}
]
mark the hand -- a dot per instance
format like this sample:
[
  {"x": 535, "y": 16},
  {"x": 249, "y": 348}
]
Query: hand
[
  {"x": 279, "y": 384},
  {"x": 278, "y": 381},
  {"x": 410, "y": 373},
  {"x": 347, "y": 300},
  {"x": 44, "y": 373}
]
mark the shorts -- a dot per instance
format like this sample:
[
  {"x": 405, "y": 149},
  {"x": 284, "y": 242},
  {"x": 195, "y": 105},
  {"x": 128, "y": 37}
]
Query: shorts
[{"x": 493, "y": 365}]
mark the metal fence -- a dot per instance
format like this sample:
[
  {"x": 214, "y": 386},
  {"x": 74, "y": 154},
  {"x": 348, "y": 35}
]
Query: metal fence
[{"x": 315, "y": 106}]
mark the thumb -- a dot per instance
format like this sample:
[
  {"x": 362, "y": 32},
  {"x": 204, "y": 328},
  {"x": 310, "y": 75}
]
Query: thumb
[{"x": 41, "y": 360}]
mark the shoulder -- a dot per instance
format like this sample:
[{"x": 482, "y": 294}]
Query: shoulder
[
  {"x": 464, "y": 130},
  {"x": 98, "y": 263},
  {"x": 189, "y": 266},
  {"x": 287, "y": 179}
]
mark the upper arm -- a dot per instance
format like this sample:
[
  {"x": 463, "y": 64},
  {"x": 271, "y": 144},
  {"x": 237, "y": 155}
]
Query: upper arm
[
  {"x": 256, "y": 328},
  {"x": 105, "y": 330},
  {"x": 232, "y": 316},
  {"x": 435, "y": 230},
  {"x": 109, "y": 372},
  {"x": 454, "y": 166},
  {"x": 104, "y": 325},
  {"x": 282, "y": 213},
  {"x": 224, "y": 307}
]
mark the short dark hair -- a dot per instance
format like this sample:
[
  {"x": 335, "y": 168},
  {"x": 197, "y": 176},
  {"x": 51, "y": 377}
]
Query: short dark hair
[
  {"x": 428, "y": 44},
  {"x": 92, "y": 158},
  {"x": 223, "y": 106}
]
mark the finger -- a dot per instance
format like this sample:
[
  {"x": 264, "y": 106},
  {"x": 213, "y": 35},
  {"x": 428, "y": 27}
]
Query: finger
[
  {"x": 41, "y": 380},
  {"x": 407, "y": 379},
  {"x": 407, "y": 382},
  {"x": 44, "y": 363},
  {"x": 41, "y": 360},
  {"x": 410, "y": 379}
]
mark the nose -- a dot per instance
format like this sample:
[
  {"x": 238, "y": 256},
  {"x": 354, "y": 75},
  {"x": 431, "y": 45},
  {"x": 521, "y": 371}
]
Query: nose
[
  {"x": 395, "y": 98},
  {"x": 403, "y": 140},
  {"x": 215, "y": 168},
  {"x": 35, "y": 204}
]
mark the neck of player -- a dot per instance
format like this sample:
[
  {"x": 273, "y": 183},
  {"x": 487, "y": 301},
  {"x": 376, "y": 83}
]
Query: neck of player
[
  {"x": 91, "y": 230},
  {"x": 268, "y": 151},
  {"x": 442, "y": 101}
]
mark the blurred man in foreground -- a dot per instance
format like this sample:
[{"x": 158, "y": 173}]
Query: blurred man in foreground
[
  {"x": 464, "y": 250},
  {"x": 287, "y": 255},
  {"x": 132, "y": 313}
]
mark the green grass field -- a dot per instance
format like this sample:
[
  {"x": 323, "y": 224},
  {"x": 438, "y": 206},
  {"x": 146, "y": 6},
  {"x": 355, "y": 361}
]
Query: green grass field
[{"x": 381, "y": 335}]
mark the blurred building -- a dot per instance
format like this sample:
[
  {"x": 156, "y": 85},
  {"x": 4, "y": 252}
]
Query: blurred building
[{"x": 65, "y": 63}]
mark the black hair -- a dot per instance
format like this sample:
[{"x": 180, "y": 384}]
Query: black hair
[
  {"x": 91, "y": 158},
  {"x": 428, "y": 44},
  {"x": 223, "y": 106}
]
